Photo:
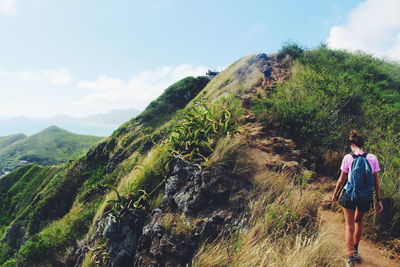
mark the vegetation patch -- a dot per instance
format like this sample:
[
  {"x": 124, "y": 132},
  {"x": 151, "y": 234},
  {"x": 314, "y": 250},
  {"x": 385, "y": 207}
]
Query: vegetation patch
[{"x": 331, "y": 92}]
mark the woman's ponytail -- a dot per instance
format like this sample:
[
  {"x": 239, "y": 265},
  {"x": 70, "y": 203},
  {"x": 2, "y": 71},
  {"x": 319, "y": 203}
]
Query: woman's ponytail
[{"x": 356, "y": 139}]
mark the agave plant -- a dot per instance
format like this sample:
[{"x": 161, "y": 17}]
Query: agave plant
[{"x": 196, "y": 134}]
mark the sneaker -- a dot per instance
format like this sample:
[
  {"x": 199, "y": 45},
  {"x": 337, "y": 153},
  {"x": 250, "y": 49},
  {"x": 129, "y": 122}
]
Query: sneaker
[
  {"x": 357, "y": 256},
  {"x": 351, "y": 262}
]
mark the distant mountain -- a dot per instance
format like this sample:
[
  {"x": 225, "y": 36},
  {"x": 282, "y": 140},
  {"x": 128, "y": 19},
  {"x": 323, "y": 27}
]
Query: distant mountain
[
  {"x": 9, "y": 139},
  {"x": 113, "y": 117},
  {"x": 51, "y": 146},
  {"x": 98, "y": 124}
]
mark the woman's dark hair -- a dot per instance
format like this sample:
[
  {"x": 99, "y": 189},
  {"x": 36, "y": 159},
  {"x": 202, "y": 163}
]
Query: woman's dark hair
[{"x": 356, "y": 139}]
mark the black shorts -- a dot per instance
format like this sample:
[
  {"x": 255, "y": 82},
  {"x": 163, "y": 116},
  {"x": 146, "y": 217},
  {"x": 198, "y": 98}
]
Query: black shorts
[{"x": 345, "y": 202}]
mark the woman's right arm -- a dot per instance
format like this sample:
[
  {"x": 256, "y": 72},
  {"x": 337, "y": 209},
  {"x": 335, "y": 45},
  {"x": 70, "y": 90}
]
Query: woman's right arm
[
  {"x": 378, "y": 202},
  {"x": 342, "y": 179}
]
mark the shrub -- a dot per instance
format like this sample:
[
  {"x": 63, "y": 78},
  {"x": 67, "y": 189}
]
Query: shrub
[
  {"x": 330, "y": 93},
  {"x": 291, "y": 49},
  {"x": 196, "y": 134},
  {"x": 56, "y": 237}
]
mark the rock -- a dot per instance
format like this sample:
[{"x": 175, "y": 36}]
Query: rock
[
  {"x": 16, "y": 235},
  {"x": 326, "y": 204},
  {"x": 194, "y": 193},
  {"x": 110, "y": 229}
]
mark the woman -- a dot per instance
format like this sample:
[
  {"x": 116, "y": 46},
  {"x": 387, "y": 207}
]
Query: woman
[
  {"x": 267, "y": 72},
  {"x": 355, "y": 210}
]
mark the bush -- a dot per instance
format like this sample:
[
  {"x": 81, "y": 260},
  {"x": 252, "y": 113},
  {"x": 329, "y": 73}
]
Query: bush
[
  {"x": 56, "y": 237},
  {"x": 291, "y": 49},
  {"x": 330, "y": 93},
  {"x": 196, "y": 134},
  {"x": 174, "y": 98}
]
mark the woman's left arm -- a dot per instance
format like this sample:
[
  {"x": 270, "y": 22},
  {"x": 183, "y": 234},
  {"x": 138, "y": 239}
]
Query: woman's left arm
[
  {"x": 378, "y": 202},
  {"x": 341, "y": 181}
]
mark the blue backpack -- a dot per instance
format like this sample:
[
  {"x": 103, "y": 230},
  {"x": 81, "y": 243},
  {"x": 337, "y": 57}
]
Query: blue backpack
[
  {"x": 360, "y": 185},
  {"x": 266, "y": 69}
]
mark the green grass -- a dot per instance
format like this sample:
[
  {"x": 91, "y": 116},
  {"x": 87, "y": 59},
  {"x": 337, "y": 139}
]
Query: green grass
[
  {"x": 9, "y": 139},
  {"x": 57, "y": 204},
  {"x": 55, "y": 238},
  {"x": 159, "y": 111},
  {"x": 19, "y": 188},
  {"x": 51, "y": 146},
  {"x": 331, "y": 92},
  {"x": 196, "y": 133}
]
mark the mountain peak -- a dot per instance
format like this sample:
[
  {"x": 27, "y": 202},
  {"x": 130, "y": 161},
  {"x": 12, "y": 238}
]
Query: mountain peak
[{"x": 54, "y": 128}]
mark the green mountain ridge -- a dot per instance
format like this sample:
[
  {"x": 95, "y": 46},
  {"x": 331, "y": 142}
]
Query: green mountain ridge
[
  {"x": 180, "y": 183},
  {"x": 9, "y": 139},
  {"x": 50, "y": 146}
]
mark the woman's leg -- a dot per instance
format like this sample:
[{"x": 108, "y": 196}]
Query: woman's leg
[
  {"x": 349, "y": 222},
  {"x": 358, "y": 226}
]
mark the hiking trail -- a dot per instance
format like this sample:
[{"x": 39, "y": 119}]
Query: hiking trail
[
  {"x": 373, "y": 255},
  {"x": 277, "y": 152}
]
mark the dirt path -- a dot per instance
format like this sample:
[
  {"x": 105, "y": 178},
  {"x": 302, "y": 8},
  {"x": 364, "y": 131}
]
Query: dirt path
[{"x": 372, "y": 254}]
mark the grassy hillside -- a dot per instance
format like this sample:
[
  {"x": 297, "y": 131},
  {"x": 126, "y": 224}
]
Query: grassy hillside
[
  {"x": 65, "y": 202},
  {"x": 19, "y": 188},
  {"x": 329, "y": 93},
  {"x": 51, "y": 146},
  {"x": 263, "y": 216},
  {"x": 9, "y": 139}
]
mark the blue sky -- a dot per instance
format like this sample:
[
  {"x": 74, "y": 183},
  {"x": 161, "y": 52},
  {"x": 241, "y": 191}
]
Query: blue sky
[{"x": 85, "y": 57}]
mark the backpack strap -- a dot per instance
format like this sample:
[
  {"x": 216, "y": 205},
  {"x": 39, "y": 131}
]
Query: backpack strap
[{"x": 357, "y": 156}]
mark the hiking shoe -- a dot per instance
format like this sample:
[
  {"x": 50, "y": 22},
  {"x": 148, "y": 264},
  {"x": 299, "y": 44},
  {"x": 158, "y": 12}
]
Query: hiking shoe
[
  {"x": 351, "y": 262},
  {"x": 357, "y": 256}
]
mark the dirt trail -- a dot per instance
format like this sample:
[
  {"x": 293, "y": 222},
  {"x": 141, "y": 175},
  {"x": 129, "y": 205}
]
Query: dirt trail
[
  {"x": 333, "y": 223},
  {"x": 275, "y": 151}
]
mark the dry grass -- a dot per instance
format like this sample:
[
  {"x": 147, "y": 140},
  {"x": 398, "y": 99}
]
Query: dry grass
[
  {"x": 282, "y": 230},
  {"x": 238, "y": 78},
  {"x": 177, "y": 224},
  {"x": 232, "y": 158},
  {"x": 298, "y": 251}
]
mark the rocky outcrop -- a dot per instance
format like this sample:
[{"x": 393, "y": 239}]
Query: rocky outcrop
[
  {"x": 16, "y": 235},
  {"x": 201, "y": 200},
  {"x": 198, "y": 203}
]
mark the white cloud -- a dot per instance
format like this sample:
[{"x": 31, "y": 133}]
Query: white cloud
[
  {"x": 57, "y": 76},
  {"x": 139, "y": 91},
  {"x": 373, "y": 26},
  {"x": 8, "y": 7},
  {"x": 103, "y": 83}
]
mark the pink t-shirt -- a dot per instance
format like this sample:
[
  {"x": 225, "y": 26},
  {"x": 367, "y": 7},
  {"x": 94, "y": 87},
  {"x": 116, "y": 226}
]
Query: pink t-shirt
[{"x": 348, "y": 160}]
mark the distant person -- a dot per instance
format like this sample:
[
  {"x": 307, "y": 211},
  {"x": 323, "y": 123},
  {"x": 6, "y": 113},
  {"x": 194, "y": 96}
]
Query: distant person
[
  {"x": 359, "y": 176},
  {"x": 267, "y": 72}
]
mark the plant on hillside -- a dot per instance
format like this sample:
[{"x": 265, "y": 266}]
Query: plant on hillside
[
  {"x": 291, "y": 49},
  {"x": 331, "y": 92},
  {"x": 281, "y": 230},
  {"x": 196, "y": 134}
]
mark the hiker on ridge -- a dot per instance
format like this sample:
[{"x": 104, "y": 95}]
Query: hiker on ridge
[
  {"x": 357, "y": 182},
  {"x": 267, "y": 71}
]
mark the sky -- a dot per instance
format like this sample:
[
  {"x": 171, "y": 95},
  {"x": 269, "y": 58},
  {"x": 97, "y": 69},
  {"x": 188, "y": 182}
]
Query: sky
[{"x": 86, "y": 57}]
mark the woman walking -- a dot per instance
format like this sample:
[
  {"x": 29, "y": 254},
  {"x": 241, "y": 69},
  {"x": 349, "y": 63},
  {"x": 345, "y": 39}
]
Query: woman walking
[{"x": 358, "y": 178}]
